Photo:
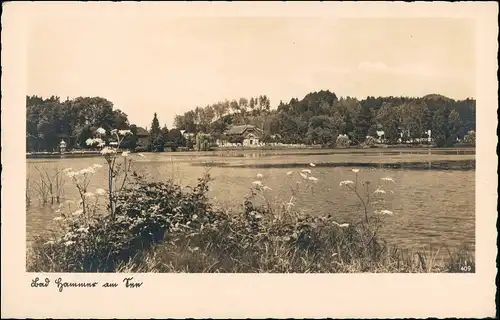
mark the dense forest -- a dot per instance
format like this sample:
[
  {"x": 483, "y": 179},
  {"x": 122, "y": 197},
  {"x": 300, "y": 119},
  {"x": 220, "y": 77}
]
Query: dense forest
[
  {"x": 316, "y": 119},
  {"x": 321, "y": 116}
]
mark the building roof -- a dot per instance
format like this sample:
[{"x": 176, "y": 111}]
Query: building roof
[
  {"x": 237, "y": 130},
  {"x": 142, "y": 132}
]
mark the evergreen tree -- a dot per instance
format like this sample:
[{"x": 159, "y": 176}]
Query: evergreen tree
[{"x": 156, "y": 136}]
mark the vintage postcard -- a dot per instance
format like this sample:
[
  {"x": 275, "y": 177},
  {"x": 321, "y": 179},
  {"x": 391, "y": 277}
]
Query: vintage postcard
[{"x": 239, "y": 160}]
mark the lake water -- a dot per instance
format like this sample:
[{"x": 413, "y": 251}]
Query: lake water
[{"x": 433, "y": 197}]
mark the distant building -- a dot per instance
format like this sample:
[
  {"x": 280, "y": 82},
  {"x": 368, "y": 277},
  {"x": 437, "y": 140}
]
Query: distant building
[
  {"x": 142, "y": 137},
  {"x": 248, "y": 134}
]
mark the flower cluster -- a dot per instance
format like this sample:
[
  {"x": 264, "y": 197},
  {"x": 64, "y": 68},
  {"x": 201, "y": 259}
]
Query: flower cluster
[
  {"x": 70, "y": 172},
  {"x": 102, "y": 132},
  {"x": 259, "y": 185},
  {"x": 96, "y": 141},
  {"x": 121, "y": 132},
  {"x": 377, "y": 192}
]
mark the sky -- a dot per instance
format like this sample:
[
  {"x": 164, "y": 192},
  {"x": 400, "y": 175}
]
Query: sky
[{"x": 170, "y": 65}]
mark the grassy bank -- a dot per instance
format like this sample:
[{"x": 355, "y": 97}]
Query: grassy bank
[{"x": 161, "y": 227}]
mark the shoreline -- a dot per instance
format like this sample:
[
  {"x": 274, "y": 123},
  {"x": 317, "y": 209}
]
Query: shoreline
[{"x": 386, "y": 148}]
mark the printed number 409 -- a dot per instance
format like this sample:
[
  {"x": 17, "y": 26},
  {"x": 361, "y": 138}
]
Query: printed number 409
[{"x": 466, "y": 268}]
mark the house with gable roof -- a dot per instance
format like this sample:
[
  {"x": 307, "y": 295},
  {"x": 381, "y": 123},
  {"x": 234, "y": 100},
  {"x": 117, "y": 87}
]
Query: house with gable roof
[{"x": 246, "y": 135}]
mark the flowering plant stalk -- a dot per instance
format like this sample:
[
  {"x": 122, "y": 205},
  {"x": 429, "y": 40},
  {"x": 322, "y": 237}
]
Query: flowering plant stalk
[
  {"x": 110, "y": 154},
  {"x": 368, "y": 202},
  {"x": 82, "y": 179}
]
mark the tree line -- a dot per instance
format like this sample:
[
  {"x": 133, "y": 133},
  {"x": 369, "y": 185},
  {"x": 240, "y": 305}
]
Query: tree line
[
  {"x": 74, "y": 120},
  {"x": 319, "y": 118},
  {"x": 50, "y": 120}
]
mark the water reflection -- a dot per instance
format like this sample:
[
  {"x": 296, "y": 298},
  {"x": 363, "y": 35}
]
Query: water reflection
[
  {"x": 362, "y": 152},
  {"x": 459, "y": 165}
]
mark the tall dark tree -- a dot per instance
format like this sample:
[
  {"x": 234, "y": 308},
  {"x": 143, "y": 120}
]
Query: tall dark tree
[
  {"x": 155, "y": 135},
  {"x": 164, "y": 132},
  {"x": 363, "y": 121}
]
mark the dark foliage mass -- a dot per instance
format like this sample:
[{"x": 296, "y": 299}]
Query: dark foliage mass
[
  {"x": 321, "y": 116},
  {"x": 316, "y": 119}
]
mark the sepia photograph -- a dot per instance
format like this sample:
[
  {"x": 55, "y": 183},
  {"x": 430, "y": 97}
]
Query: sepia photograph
[
  {"x": 314, "y": 148},
  {"x": 245, "y": 143}
]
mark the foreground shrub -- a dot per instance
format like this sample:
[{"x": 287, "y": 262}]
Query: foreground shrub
[{"x": 143, "y": 214}]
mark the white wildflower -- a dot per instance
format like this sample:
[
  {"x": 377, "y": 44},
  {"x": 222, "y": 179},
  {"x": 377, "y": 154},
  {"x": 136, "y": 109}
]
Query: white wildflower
[
  {"x": 114, "y": 131},
  {"x": 97, "y": 141},
  {"x": 101, "y": 131},
  {"x": 71, "y": 174},
  {"x": 69, "y": 201},
  {"x": 313, "y": 179},
  {"x": 258, "y": 216},
  {"x": 384, "y": 212},
  {"x": 125, "y": 153},
  {"x": 124, "y": 132},
  {"x": 88, "y": 194},
  {"x": 95, "y": 165},
  {"x": 194, "y": 217},
  {"x": 379, "y": 191},
  {"x": 100, "y": 191},
  {"x": 58, "y": 218},
  {"x": 312, "y": 164},
  {"x": 289, "y": 173},
  {"x": 259, "y": 176},
  {"x": 87, "y": 171},
  {"x": 48, "y": 243},
  {"x": 82, "y": 229},
  {"x": 107, "y": 150},
  {"x": 307, "y": 171},
  {"x": 343, "y": 225},
  {"x": 346, "y": 182},
  {"x": 68, "y": 243},
  {"x": 388, "y": 179},
  {"x": 257, "y": 183},
  {"x": 355, "y": 170},
  {"x": 77, "y": 212}
]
